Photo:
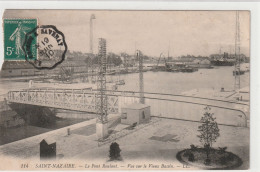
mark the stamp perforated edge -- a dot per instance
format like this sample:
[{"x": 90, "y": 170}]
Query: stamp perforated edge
[{"x": 3, "y": 36}]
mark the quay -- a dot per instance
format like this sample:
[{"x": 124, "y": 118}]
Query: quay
[{"x": 82, "y": 142}]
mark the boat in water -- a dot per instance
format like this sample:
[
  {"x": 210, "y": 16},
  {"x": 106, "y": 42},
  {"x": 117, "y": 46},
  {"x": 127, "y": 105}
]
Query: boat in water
[
  {"x": 223, "y": 61},
  {"x": 120, "y": 82},
  {"x": 111, "y": 72},
  {"x": 240, "y": 72},
  {"x": 181, "y": 67},
  {"x": 158, "y": 68},
  {"x": 188, "y": 69}
]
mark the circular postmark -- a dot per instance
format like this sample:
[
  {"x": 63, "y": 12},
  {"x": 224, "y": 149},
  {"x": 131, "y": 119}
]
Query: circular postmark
[{"x": 50, "y": 47}]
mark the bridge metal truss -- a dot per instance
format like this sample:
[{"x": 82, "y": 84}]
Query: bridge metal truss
[
  {"x": 84, "y": 99},
  {"x": 71, "y": 99}
]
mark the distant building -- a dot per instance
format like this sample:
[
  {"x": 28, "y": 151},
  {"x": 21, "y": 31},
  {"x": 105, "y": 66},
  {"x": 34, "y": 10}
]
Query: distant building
[{"x": 21, "y": 68}]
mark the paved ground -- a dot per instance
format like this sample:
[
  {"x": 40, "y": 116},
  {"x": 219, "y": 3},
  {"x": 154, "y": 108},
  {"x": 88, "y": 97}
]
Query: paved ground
[
  {"x": 139, "y": 146},
  {"x": 82, "y": 138}
]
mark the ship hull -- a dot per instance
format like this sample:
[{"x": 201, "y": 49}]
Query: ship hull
[
  {"x": 238, "y": 73},
  {"x": 222, "y": 63}
]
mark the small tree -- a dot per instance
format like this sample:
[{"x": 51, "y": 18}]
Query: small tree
[
  {"x": 114, "y": 152},
  {"x": 209, "y": 131}
]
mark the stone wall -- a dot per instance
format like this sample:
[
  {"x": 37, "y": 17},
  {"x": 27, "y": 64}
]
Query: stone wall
[{"x": 8, "y": 117}]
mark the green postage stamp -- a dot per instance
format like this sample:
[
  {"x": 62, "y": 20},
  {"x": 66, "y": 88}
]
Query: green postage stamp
[{"x": 15, "y": 31}]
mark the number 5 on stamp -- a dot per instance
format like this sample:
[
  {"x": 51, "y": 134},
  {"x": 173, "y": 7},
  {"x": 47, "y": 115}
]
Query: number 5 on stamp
[{"x": 14, "y": 37}]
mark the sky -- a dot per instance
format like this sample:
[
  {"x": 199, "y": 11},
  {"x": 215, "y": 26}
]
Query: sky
[{"x": 153, "y": 32}]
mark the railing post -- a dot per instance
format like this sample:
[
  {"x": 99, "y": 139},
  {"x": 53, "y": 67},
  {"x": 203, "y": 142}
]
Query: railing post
[
  {"x": 95, "y": 102},
  {"x": 45, "y": 97},
  {"x": 83, "y": 98},
  {"x": 73, "y": 98},
  {"x": 20, "y": 96},
  {"x": 63, "y": 97},
  {"x": 54, "y": 97},
  {"x": 245, "y": 121},
  {"x": 27, "y": 96},
  {"x": 36, "y": 96}
]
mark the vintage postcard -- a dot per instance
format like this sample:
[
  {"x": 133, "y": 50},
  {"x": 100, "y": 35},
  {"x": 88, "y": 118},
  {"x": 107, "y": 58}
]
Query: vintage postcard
[{"x": 125, "y": 90}]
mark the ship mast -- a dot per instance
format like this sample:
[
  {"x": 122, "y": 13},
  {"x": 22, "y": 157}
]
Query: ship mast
[{"x": 169, "y": 51}]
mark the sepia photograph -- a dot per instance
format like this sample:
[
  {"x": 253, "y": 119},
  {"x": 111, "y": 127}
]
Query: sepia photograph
[{"x": 125, "y": 90}]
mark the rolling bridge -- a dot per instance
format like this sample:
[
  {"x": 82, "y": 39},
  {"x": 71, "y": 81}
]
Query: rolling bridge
[
  {"x": 71, "y": 99},
  {"x": 163, "y": 105}
]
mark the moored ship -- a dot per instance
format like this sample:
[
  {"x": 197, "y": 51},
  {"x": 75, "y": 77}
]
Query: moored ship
[{"x": 223, "y": 61}]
